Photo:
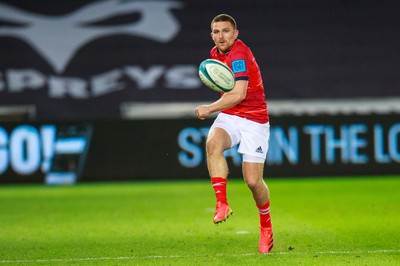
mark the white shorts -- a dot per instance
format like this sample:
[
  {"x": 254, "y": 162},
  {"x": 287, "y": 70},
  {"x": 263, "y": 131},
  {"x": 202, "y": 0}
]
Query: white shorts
[{"x": 252, "y": 137}]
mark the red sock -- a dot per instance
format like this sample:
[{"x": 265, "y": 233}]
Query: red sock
[
  {"x": 265, "y": 217},
  {"x": 219, "y": 185}
]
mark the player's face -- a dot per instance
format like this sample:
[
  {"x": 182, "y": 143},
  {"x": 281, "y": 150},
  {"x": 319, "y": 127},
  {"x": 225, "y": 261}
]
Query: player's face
[{"x": 223, "y": 35}]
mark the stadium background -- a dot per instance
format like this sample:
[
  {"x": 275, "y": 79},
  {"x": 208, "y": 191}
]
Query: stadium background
[{"x": 105, "y": 90}]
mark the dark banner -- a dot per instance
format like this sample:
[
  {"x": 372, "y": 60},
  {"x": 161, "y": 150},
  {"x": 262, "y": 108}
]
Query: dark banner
[
  {"x": 175, "y": 149},
  {"x": 83, "y": 59}
]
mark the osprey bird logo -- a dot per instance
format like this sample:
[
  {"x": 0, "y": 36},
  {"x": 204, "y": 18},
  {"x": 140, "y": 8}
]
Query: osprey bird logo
[{"x": 57, "y": 38}]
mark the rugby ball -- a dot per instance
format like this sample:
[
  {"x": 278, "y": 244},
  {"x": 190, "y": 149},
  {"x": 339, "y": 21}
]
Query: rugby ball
[{"x": 216, "y": 75}]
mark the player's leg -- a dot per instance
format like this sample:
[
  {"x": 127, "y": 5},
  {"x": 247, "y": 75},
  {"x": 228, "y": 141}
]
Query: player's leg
[
  {"x": 217, "y": 142},
  {"x": 254, "y": 147},
  {"x": 253, "y": 176}
]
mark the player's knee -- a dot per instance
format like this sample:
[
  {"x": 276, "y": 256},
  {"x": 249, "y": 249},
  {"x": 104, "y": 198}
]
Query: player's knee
[
  {"x": 214, "y": 148},
  {"x": 251, "y": 184},
  {"x": 217, "y": 142},
  {"x": 254, "y": 184}
]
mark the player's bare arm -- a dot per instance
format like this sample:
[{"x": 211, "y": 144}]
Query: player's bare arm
[{"x": 227, "y": 100}]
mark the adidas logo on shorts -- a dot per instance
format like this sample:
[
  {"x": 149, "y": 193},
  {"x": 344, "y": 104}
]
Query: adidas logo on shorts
[{"x": 259, "y": 150}]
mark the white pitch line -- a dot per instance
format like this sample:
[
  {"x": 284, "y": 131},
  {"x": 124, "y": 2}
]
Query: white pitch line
[
  {"x": 336, "y": 252},
  {"x": 191, "y": 256}
]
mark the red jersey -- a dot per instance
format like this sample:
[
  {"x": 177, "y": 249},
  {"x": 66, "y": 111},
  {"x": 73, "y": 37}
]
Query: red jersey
[{"x": 241, "y": 60}]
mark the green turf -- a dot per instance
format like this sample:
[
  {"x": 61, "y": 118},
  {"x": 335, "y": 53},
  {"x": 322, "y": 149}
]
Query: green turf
[{"x": 324, "y": 221}]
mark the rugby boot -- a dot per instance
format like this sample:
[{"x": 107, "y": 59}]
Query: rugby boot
[
  {"x": 266, "y": 240},
  {"x": 222, "y": 212}
]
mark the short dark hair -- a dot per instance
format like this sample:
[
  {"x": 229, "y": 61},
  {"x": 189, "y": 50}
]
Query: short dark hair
[{"x": 224, "y": 17}]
